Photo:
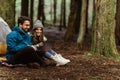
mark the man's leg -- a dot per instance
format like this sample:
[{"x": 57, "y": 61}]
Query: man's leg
[{"x": 25, "y": 56}]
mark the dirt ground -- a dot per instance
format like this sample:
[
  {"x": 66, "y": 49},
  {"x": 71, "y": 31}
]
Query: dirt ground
[{"x": 81, "y": 67}]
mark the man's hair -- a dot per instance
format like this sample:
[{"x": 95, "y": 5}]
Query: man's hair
[{"x": 22, "y": 19}]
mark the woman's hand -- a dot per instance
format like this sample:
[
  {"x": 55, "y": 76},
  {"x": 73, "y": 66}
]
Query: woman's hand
[{"x": 41, "y": 44}]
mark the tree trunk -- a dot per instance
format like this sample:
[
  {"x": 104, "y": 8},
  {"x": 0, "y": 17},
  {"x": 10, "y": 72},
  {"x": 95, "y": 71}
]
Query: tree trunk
[
  {"x": 64, "y": 13},
  {"x": 117, "y": 29},
  {"x": 78, "y": 16},
  {"x": 24, "y": 7},
  {"x": 51, "y": 10},
  {"x": 41, "y": 14},
  {"x": 104, "y": 27},
  {"x": 8, "y": 13},
  {"x": 31, "y": 11},
  {"x": 55, "y": 7},
  {"x": 83, "y": 25},
  {"x": 70, "y": 28},
  {"x": 87, "y": 17},
  {"x": 61, "y": 16}
]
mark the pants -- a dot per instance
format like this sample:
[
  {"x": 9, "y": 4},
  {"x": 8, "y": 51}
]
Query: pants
[
  {"x": 27, "y": 55},
  {"x": 49, "y": 53}
]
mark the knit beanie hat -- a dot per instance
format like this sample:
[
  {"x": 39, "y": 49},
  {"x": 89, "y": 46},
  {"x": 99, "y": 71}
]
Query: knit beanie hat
[{"x": 37, "y": 24}]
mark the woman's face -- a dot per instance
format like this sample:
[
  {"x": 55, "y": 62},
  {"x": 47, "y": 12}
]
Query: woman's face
[{"x": 38, "y": 31}]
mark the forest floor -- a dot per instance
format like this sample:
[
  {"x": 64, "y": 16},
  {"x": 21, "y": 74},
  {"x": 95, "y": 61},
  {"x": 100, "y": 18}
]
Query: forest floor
[{"x": 81, "y": 67}]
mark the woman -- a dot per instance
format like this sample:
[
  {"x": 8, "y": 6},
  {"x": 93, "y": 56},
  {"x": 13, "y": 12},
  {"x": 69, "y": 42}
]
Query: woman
[{"x": 38, "y": 40}]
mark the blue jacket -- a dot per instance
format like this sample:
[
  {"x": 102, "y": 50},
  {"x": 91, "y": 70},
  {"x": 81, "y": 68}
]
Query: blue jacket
[{"x": 16, "y": 41}]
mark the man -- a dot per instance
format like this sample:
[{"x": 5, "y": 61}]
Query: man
[{"x": 19, "y": 48}]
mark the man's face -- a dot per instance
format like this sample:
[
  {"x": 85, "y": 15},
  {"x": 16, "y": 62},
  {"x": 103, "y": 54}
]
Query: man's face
[{"x": 25, "y": 26}]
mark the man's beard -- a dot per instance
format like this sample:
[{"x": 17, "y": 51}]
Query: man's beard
[{"x": 26, "y": 30}]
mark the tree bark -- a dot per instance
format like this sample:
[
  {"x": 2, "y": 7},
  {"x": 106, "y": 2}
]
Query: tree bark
[
  {"x": 43, "y": 12},
  {"x": 39, "y": 9},
  {"x": 31, "y": 11},
  {"x": 41, "y": 15},
  {"x": 55, "y": 7},
  {"x": 104, "y": 28},
  {"x": 61, "y": 16},
  {"x": 78, "y": 16},
  {"x": 64, "y": 13},
  {"x": 83, "y": 24},
  {"x": 24, "y": 7},
  {"x": 117, "y": 29},
  {"x": 70, "y": 28}
]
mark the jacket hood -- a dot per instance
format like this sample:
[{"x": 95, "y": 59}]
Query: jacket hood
[
  {"x": 16, "y": 28},
  {"x": 37, "y": 24}
]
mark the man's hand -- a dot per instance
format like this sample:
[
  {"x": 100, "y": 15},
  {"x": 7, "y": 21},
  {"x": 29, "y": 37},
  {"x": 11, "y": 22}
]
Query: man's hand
[{"x": 34, "y": 47}]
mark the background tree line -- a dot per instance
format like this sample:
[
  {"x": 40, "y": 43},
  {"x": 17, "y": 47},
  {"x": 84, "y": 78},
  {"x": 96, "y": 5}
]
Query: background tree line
[{"x": 104, "y": 27}]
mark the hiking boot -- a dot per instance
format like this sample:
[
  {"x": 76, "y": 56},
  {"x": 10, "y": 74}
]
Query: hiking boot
[
  {"x": 62, "y": 58},
  {"x": 59, "y": 61}
]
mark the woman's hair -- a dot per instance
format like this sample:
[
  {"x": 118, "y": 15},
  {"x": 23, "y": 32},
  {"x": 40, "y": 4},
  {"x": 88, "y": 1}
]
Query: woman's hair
[{"x": 36, "y": 39}]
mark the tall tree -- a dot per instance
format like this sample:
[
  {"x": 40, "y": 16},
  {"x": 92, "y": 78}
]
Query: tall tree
[
  {"x": 8, "y": 13},
  {"x": 25, "y": 7},
  {"x": 41, "y": 14},
  {"x": 78, "y": 16},
  {"x": 55, "y": 7},
  {"x": 70, "y": 28},
  {"x": 31, "y": 11},
  {"x": 83, "y": 24},
  {"x": 117, "y": 29},
  {"x": 64, "y": 13},
  {"x": 104, "y": 28},
  {"x": 61, "y": 16}
]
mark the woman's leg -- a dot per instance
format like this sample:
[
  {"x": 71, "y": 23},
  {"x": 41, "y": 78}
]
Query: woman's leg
[
  {"x": 48, "y": 55},
  {"x": 52, "y": 52}
]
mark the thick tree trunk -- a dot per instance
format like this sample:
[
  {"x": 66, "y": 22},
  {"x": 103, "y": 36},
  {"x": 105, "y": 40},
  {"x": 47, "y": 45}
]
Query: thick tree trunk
[
  {"x": 117, "y": 29},
  {"x": 104, "y": 28},
  {"x": 24, "y": 7},
  {"x": 83, "y": 25},
  {"x": 8, "y": 13},
  {"x": 78, "y": 16},
  {"x": 70, "y": 28}
]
